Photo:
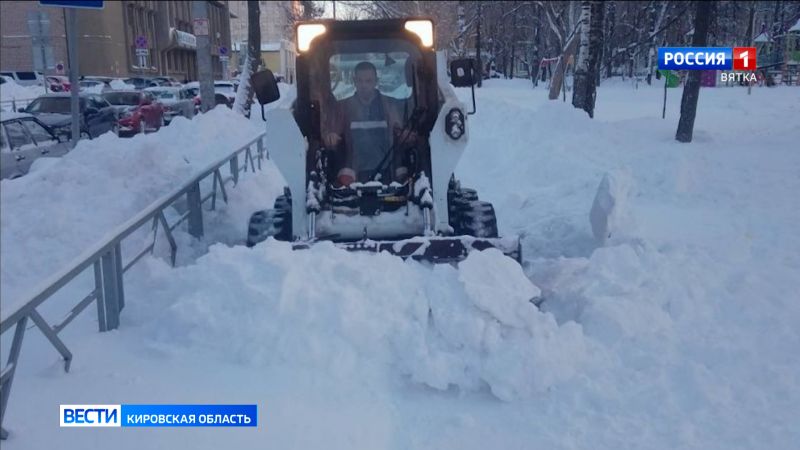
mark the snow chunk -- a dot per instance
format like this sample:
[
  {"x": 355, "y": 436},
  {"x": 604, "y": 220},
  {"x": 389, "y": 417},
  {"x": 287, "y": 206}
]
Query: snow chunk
[{"x": 610, "y": 209}]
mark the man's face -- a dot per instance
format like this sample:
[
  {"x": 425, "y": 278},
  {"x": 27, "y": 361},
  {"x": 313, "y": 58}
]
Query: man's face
[{"x": 365, "y": 81}]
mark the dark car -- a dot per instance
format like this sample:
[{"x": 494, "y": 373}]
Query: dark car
[
  {"x": 96, "y": 114},
  {"x": 138, "y": 111},
  {"x": 23, "y": 139}
]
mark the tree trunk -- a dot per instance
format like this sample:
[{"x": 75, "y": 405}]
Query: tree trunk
[
  {"x": 535, "y": 55},
  {"x": 608, "y": 53},
  {"x": 244, "y": 95},
  {"x": 513, "y": 46},
  {"x": 691, "y": 91},
  {"x": 750, "y": 24},
  {"x": 586, "y": 71},
  {"x": 561, "y": 67},
  {"x": 478, "y": 46},
  {"x": 582, "y": 60},
  {"x": 462, "y": 30}
]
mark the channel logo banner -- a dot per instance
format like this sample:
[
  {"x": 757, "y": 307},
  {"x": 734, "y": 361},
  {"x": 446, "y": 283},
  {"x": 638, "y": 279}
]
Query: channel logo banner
[
  {"x": 695, "y": 58},
  {"x": 159, "y": 415}
]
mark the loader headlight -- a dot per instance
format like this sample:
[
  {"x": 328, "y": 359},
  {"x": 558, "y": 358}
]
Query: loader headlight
[
  {"x": 423, "y": 29},
  {"x": 306, "y": 33},
  {"x": 454, "y": 123}
]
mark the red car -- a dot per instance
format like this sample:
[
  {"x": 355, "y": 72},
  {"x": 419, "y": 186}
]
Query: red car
[
  {"x": 57, "y": 83},
  {"x": 138, "y": 111}
]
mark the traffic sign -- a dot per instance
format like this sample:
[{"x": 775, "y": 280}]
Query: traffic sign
[
  {"x": 98, "y": 4},
  {"x": 223, "y": 50},
  {"x": 60, "y": 67},
  {"x": 200, "y": 27},
  {"x": 142, "y": 52},
  {"x": 141, "y": 42},
  {"x": 223, "y": 58}
]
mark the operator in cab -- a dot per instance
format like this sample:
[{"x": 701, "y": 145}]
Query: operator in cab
[{"x": 368, "y": 125}]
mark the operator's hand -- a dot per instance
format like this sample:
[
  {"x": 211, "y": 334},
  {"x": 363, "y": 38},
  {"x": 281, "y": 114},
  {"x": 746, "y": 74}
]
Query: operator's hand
[
  {"x": 332, "y": 140},
  {"x": 405, "y": 135}
]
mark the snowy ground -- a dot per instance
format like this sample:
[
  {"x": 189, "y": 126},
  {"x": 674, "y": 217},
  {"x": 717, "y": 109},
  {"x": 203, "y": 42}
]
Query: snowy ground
[{"x": 680, "y": 332}]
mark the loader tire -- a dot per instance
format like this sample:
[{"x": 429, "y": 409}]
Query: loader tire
[
  {"x": 276, "y": 222},
  {"x": 476, "y": 218},
  {"x": 470, "y": 216}
]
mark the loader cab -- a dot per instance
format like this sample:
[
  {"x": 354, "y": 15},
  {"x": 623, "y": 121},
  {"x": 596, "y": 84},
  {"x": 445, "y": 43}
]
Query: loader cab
[{"x": 399, "y": 56}]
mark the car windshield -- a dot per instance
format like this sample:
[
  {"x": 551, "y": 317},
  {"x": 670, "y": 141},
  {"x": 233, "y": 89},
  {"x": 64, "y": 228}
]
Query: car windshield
[
  {"x": 163, "y": 94},
  {"x": 60, "y": 105},
  {"x": 122, "y": 98}
]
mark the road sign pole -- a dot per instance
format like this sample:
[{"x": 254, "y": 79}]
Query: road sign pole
[
  {"x": 204, "y": 70},
  {"x": 72, "y": 44}
]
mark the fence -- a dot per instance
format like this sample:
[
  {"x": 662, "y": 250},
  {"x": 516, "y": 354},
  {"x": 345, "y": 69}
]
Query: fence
[
  {"x": 106, "y": 260},
  {"x": 15, "y": 104}
]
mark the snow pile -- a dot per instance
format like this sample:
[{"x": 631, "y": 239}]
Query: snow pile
[
  {"x": 468, "y": 327},
  {"x": 120, "y": 85},
  {"x": 96, "y": 89},
  {"x": 54, "y": 213}
]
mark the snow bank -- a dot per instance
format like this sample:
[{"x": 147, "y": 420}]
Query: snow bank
[
  {"x": 680, "y": 332},
  {"x": 54, "y": 213},
  {"x": 343, "y": 313}
]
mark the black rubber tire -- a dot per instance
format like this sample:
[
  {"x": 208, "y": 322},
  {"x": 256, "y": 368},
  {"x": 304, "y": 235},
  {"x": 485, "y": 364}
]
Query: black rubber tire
[
  {"x": 470, "y": 216},
  {"x": 479, "y": 220},
  {"x": 276, "y": 222}
]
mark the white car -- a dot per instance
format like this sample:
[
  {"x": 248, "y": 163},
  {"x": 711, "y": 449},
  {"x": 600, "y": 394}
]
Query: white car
[
  {"x": 23, "y": 139},
  {"x": 177, "y": 101},
  {"x": 25, "y": 78},
  {"x": 222, "y": 89}
]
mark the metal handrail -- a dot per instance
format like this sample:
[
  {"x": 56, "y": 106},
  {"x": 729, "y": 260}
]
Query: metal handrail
[
  {"x": 15, "y": 101},
  {"x": 106, "y": 257}
]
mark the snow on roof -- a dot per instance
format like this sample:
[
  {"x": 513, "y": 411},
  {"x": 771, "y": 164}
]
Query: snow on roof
[
  {"x": 763, "y": 37},
  {"x": 795, "y": 28},
  {"x": 12, "y": 115}
]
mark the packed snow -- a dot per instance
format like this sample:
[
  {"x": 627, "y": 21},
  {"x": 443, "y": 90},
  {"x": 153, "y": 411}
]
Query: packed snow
[
  {"x": 675, "y": 328},
  {"x": 13, "y": 94}
]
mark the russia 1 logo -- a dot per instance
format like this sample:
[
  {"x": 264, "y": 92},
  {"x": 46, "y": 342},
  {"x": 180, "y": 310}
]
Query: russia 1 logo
[{"x": 744, "y": 58}]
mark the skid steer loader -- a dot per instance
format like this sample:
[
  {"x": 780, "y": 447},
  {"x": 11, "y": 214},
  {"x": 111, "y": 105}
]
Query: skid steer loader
[{"x": 369, "y": 146}]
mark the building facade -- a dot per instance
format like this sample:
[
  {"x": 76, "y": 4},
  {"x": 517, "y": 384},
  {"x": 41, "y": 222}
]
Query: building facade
[
  {"x": 125, "y": 38},
  {"x": 16, "y": 43}
]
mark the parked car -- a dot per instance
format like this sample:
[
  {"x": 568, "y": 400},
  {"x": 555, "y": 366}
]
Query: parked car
[
  {"x": 96, "y": 114},
  {"x": 175, "y": 100},
  {"x": 138, "y": 82},
  {"x": 25, "y": 78},
  {"x": 57, "y": 83},
  {"x": 23, "y": 139},
  {"x": 138, "y": 111},
  {"x": 226, "y": 88}
]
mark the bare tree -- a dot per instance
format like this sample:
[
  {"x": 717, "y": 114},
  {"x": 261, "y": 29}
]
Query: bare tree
[
  {"x": 691, "y": 91},
  {"x": 244, "y": 95},
  {"x": 564, "y": 27}
]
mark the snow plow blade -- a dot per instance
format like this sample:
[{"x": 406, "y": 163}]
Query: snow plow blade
[{"x": 437, "y": 249}]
